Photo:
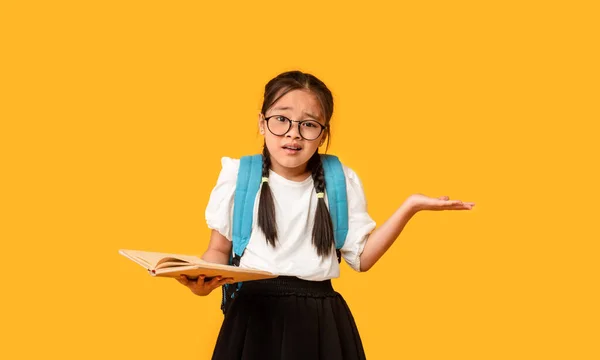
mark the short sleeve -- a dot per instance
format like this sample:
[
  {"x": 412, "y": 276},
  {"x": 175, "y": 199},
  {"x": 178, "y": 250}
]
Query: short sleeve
[
  {"x": 219, "y": 211},
  {"x": 360, "y": 224}
]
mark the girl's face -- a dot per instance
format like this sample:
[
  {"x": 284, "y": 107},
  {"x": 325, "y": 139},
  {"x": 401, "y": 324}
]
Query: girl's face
[{"x": 291, "y": 150}]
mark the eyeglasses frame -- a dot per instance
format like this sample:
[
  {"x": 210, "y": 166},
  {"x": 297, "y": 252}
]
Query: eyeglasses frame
[{"x": 300, "y": 122}]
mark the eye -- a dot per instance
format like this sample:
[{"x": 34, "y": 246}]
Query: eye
[
  {"x": 310, "y": 124},
  {"x": 280, "y": 118}
]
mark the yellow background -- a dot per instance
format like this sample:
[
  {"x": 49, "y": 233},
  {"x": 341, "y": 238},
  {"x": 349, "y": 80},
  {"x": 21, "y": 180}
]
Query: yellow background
[{"x": 114, "y": 116}]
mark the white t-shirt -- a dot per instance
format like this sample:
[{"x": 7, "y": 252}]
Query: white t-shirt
[{"x": 295, "y": 207}]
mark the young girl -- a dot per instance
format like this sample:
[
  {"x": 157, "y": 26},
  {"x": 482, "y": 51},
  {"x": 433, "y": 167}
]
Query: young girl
[{"x": 297, "y": 315}]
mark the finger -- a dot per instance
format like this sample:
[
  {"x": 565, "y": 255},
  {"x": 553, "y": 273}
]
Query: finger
[
  {"x": 451, "y": 203},
  {"x": 183, "y": 280},
  {"x": 444, "y": 198},
  {"x": 225, "y": 281},
  {"x": 197, "y": 282},
  {"x": 218, "y": 284},
  {"x": 460, "y": 202},
  {"x": 461, "y": 207},
  {"x": 466, "y": 205},
  {"x": 214, "y": 282}
]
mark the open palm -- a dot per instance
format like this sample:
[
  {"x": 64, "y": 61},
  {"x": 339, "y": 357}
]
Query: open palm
[{"x": 422, "y": 202}]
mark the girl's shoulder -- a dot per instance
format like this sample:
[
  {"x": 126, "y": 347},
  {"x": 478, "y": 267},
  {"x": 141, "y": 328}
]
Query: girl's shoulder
[
  {"x": 354, "y": 185},
  {"x": 230, "y": 163},
  {"x": 350, "y": 174},
  {"x": 229, "y": 169}
]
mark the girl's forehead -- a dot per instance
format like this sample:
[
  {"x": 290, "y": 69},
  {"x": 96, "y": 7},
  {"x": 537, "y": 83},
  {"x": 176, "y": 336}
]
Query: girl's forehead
[{"x": 299, "y": 100}]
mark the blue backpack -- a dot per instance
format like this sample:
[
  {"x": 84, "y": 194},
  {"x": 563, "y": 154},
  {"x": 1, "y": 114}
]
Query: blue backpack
[{"x": 247, "y": 186}]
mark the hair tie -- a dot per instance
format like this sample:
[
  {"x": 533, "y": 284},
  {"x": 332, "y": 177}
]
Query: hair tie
[
  {"x": 320, "y": 195},
  {"x": 264, "y": 180}
]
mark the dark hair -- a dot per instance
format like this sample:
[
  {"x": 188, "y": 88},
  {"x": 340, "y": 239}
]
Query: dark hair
[{"x": 322, "y": 234}]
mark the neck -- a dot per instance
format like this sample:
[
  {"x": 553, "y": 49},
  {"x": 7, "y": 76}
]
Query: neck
[{"x": 299, "y": 173}]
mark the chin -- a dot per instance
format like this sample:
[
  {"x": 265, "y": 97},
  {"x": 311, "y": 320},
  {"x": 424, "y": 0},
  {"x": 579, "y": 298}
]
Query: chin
[{"x": 291, "y": 161}]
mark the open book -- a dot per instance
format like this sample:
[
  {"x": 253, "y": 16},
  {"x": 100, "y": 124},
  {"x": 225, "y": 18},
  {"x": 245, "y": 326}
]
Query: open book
[{"x": 174, "y": 265}]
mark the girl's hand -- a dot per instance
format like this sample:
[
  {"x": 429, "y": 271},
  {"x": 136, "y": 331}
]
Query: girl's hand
[
  {"x": 421, "y": 202},
  {"x": 201, "y": 287}
]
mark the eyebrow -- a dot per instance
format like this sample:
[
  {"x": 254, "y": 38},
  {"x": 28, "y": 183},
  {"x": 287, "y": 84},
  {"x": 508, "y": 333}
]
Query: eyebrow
[{"x": 289, "y": 108}]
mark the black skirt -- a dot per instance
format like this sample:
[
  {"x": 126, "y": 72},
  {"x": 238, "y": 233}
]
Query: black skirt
[{"x": 288, "y": 318}]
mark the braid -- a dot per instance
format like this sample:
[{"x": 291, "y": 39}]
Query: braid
[
  {"x": 322, "y": 235},
  {"x": 266, "y": 207},
  {"x": 266, "y": 161}
]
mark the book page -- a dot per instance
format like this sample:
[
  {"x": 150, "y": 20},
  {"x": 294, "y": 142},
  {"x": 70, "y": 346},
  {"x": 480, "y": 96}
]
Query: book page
[
  {"x": 170, "y": 263},
  {"x": 151, "y": 259}
]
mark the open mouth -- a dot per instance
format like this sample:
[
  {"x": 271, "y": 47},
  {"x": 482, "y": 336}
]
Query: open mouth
[{"x": 292, "y": 148}]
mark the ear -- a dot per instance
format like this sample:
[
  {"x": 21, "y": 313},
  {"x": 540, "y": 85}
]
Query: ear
[
  {"x": 261, "y": 123},
  {"x": 323, "y": 139}
]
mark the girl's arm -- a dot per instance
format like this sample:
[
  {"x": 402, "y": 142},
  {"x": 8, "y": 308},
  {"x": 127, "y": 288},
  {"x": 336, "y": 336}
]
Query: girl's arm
[
  {"x": 380, "y": 240},
  {"x": 219, "y": 249}
]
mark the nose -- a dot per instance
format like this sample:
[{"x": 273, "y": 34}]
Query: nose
[{"x": 294, "y": 131}]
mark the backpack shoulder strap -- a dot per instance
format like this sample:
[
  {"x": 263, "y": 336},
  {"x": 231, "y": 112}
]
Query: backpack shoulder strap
[
  {"x": 335, "y": 185},
  {"x": 247, "y": 186}
]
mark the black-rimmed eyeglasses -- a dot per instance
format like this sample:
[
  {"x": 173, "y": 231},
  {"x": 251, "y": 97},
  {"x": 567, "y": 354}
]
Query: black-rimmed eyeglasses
[{"x": 279, "y": 125}]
